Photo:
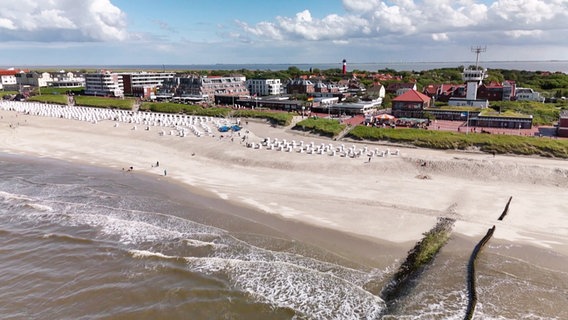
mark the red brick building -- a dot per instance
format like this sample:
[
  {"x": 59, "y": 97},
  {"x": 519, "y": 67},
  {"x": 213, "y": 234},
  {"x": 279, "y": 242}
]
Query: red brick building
[
  {"x": 563, "y": 124},
  {"x": 410, "y": 104}
]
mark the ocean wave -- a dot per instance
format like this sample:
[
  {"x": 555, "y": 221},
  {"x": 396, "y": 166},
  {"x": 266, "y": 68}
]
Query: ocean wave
[
  {"x": 7, "y": 196},
  {"x": 66, "y": 237},
  {"x": 311, "y": 293}
]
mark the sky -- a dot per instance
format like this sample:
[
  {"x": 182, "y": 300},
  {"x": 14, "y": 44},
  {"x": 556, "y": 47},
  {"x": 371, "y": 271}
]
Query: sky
[{"x": 182, "y": 32}]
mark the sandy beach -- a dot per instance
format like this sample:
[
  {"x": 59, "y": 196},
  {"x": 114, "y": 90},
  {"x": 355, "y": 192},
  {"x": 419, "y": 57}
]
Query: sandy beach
[{"x": 394, "y": 198}]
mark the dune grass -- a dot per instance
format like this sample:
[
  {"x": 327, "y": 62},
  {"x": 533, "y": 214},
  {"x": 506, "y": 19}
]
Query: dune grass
[
  {"x": 502, "y": 144},
  {"x": 321, "y": 126},
  {"x": 279, "y": 118}
]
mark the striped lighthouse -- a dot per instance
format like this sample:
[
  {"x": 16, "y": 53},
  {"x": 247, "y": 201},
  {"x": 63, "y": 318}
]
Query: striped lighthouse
[{"x": 344, "y": 70}]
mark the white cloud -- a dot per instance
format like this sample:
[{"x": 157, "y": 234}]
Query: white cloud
[
  {"x": 425, "y": 20},
  {"x": 61, "y": 20},
  {"x": 523, "y": 33},
  {"x": 529, "y": 12},
  {"x": 440, "y": 37}
]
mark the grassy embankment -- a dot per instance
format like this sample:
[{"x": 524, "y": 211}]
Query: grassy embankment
[
  {"x": 503, "y": 144},
  {"x": 324, "y": 127},
  {"x": 86, "y": 101},
  {"x": 278, "y": 118}
]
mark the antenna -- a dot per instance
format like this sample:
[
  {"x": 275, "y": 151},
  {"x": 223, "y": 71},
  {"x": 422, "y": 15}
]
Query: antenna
[{"x": 477, "y": 51}]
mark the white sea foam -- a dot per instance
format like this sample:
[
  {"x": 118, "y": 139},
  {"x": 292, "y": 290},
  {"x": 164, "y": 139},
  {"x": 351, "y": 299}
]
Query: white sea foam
[
  {"x": 7, "y": 196},
  {"x": 315, "y": 294},
  {"x": 146, "y": 254}
]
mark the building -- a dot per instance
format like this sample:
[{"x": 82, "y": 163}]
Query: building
[
  {"x": 398, "y": 88},
  {"x": 197, "y": 88},
  {"x": 64, "y": 79},
  {"x": 8, "y": 79},
  {"x": 562, "y": 130},
  {"x": 265, "y": 87},
  {"x": 494, "y": 119},
  {"x": 528, "y": 94},
  {"x": 300, "y": 86},
  {"x": 33, "y": 79},
  {"x": 104, "y": 83},
  {"x": 492, "y": 91},
  {"x": 143, "y": 84},
  {"x": 363, "y": 107},
  {"x": 410, "y": 104}
]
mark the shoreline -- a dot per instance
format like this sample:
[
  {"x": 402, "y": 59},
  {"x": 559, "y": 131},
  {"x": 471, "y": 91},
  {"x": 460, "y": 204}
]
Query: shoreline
[{"x": 381, "y": 201}]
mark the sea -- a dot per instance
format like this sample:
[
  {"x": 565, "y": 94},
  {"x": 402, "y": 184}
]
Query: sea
[
  {"x": 83, "y": 242},
  {"x": 544, "y": 65}
]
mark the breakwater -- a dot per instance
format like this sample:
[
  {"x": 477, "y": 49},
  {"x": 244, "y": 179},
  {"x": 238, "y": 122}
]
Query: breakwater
[
  {"x": 418, "y": 257},
  {"x": 472, "y": 292}
]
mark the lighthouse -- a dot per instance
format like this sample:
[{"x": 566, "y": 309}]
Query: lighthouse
[{"x": 344, "y": 70}]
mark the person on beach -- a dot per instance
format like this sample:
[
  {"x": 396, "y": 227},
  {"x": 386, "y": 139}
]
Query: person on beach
[
  {"x": 157, "y": 163},
  {"x": 165, "y": 173}
]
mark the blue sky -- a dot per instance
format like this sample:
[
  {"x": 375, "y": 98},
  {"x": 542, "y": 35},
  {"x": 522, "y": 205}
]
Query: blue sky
[{"x": 118, "y": 32}]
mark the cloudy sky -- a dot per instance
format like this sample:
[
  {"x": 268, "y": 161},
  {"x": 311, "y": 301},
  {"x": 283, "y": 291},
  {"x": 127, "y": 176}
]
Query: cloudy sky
[{"x": 113, "y": 32}]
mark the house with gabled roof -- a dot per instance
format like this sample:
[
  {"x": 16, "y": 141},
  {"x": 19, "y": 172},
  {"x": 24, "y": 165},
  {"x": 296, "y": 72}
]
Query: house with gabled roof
[
  {"x": 492, "y": 91},
  {"x": 399, "y": 88},
  {"x": 410, "y": 104}
]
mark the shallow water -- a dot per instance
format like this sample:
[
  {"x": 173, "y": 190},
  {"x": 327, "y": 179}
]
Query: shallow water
[{"x": 83, "y": 242}]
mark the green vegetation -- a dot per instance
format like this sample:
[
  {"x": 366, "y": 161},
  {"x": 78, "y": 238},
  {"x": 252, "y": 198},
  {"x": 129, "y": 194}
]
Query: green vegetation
[
  {"x": 104, "y": 102},
  {"x": 418, "y": 257},
  {"x": 543, "y": 113},
  {"x": 8, "y": 92},
  {"x": 50, "y": 98},
  {"x": 169, "y": 107},
  {"x": 325, "y": 127},
  {"x": 502, "y": 144},
  {"x": 279, "y": 118},
  {"x": 50, "y": 90}
]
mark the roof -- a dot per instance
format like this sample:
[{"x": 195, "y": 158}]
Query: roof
[
  {"x": 8, "y": 72},
  {"x": 400, "y": 85},
  {"x": 412, "y": 96}
]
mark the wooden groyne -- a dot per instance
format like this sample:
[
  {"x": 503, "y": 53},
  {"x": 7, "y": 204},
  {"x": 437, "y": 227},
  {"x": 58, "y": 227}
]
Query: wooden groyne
[
  {"x": 472, "y": 294},
  {"x": 418, "y": 257},
  {"x": 506, "y": 209}
]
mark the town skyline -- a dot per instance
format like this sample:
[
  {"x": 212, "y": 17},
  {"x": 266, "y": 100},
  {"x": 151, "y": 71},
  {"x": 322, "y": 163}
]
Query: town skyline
[{"x": 122, "y": 32}]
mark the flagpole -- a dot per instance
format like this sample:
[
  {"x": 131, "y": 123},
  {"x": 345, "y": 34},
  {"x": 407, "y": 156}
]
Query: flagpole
[{"x": 467, "y": 123}]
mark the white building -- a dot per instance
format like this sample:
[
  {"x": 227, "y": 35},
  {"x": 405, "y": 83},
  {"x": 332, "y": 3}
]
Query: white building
[
  {"x": 64, "y": 79},
  {"x": 8, "y": 79},
  {"x": 528, "y": 94},
  {"x": 265, "y": 87},
  {"x": 135, "y": 83},
  {"x": 104, "y": 83}
]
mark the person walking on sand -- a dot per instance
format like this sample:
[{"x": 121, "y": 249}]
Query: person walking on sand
[{"x": 165, "y": 173}]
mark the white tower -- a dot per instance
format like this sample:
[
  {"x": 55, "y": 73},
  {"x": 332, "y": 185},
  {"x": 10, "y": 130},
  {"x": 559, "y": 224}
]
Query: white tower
[{"x": 474, "y": 77}]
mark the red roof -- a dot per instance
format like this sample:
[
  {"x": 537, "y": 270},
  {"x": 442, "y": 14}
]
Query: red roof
[
  {"x": 412, "y": 96},
  {"x": 8, "y": 72}
]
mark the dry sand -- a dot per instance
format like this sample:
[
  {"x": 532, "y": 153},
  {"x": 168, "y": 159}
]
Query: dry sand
[{"x": 394, "y": 198}]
